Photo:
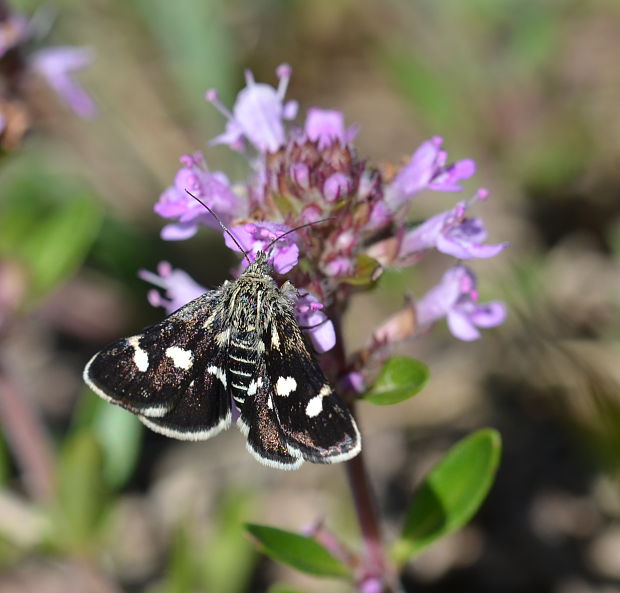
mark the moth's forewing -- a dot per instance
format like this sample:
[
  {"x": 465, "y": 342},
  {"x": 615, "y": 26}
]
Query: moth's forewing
[
  {"x": 168, "y": 375},
  {"x": 314, "y": 421}
]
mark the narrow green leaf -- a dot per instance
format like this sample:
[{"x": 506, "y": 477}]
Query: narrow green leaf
[
  {"x": 451, "y": 493},
  {"x": 400, "y": 378},
  {"x": 298, "y": 551},
  {"x": 60, "y": 242},
  {"x": 120, "y": 434}
]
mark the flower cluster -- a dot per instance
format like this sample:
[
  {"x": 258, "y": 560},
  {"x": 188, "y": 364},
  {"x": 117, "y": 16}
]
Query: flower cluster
[
  {"x": 358, "y": 216},
  {"x": 19, "y": 60}
]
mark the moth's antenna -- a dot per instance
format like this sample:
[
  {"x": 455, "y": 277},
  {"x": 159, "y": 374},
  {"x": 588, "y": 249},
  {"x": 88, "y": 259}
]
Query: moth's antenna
[
  {"x": 224, "y": 227},
  {"x": 302, "y": 226}
]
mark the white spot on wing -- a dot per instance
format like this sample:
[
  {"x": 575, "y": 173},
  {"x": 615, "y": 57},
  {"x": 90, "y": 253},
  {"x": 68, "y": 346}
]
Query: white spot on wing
[
  {"x": 325, "y": 390},
  {"x": 315, "y": 406},
  {"x": 182, "y": 359},
  {"x": 285, "y": 385},
  {"x": 140, "y": 357},
  {"x": 219, "y": 373}
]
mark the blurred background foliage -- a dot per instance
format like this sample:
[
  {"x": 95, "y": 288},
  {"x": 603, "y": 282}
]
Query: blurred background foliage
[{"x": 91, "y": 502}]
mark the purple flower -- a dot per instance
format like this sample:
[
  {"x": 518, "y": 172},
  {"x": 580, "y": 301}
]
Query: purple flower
[
  {"x": 14, "y": 31},
  {"x": 257, "y": 236},
  {"x": 315, "y": 323},
  {"x": 258, "y": 114},
  {"x": 336, "y": 186},
  {"x": 451, "y": 233},
  {"x": 212, "y": 188},
  {"x": 57, "y": 65},
  {"x": 427, "y": 169},
  {"x": 455, "y": 299},
  {"x": 354, "y": 381},
  {"x": 326, "y": 126},
  {"x": 178, "y": 285}
]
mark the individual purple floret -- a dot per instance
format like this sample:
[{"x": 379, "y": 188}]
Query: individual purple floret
[
  {"x": 455, "y": 298},
  {"x": 313, "y": 320},
  {"x": 58, "y": 66},
  {"x": 427, "y": 169},
  {"x": 180, "y": 288},
  {"x": 14, "y": 31},
  {"x": 325, "y": 126},
  {"x": 212, "y": 188},
  {"x": 451, "y": 233},
  {"x": 258, "y": 236},
  {"x": 258, "y": 114}
]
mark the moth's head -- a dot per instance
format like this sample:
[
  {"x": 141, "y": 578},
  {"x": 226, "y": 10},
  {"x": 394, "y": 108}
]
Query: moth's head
[{"x": 261, "y": 264}]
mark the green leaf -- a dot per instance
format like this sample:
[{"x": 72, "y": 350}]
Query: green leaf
[
  {"x": 298, "y": 551},
  {"x": 120, "y": 434},
  {"x": 61, "y": 242},
  {"x": 399, "y": 379},
  {"x": 451, "y": 493}
]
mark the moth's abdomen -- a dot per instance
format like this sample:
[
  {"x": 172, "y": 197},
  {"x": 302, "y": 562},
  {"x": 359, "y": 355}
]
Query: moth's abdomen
[{"x": 242, "y": 359}]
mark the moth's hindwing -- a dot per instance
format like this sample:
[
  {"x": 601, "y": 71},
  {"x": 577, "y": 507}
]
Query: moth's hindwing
[
  {"x": 172, "y": 375},
  {"x": 313, "y": 420}
]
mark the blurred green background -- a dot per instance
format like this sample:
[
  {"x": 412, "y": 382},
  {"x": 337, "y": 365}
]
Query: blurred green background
[{"x": 530, "y": 90}]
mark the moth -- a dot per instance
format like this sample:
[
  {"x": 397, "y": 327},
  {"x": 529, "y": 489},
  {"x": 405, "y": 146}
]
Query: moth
[{"x": 234, "y": 351}]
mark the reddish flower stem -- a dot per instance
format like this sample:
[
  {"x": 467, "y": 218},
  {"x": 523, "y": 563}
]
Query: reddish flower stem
[
  {"x": 373, "y": 565},
  {"x": 27, "y": 439}
]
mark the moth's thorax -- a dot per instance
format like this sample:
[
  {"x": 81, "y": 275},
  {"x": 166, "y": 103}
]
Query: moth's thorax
[{"x": 249, "y": 303}]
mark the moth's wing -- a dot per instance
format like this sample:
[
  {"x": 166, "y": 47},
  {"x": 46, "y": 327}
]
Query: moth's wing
[
  {"x": 313, "y": 419},
  {"x": 171, "y": 374},
  {"x": 258, "y": 421}
]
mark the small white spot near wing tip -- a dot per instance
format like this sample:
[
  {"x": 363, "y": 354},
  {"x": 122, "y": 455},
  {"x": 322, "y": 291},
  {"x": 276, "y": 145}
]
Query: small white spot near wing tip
[
  {"x": 140, "y": 357},
  {"x": 153, "y": 412},
  {"x": 325, "y": 390}
]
